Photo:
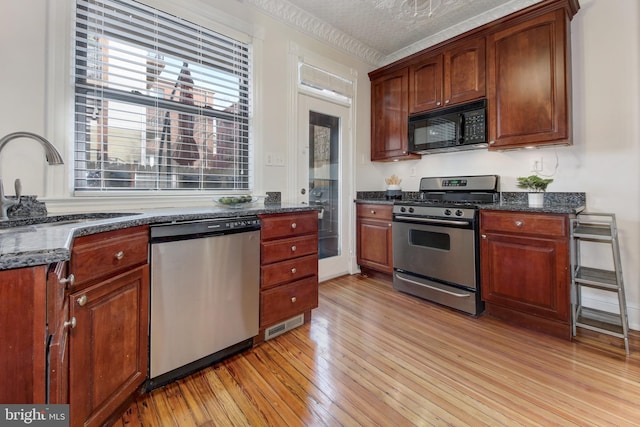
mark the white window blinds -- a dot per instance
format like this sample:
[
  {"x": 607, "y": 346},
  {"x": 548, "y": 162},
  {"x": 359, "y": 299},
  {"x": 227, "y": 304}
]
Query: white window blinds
[{"x": 160, "y": 103}]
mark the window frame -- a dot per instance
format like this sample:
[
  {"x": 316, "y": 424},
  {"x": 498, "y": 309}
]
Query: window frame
[{"x": 246, "y": 182}]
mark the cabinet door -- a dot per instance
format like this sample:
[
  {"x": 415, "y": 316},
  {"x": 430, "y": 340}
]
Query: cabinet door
[
  {"x": 425, "y": 84},
  {"x": 529, "y": 83},
  {"x": 465, "y": 72},
  {"x": 23, "y": 335},
  {"x": 526, "y": 274},
  {"x": 374, "y": 245},
  {"x": 389, "y": 116},
  {"x": 108, "y": 347}
]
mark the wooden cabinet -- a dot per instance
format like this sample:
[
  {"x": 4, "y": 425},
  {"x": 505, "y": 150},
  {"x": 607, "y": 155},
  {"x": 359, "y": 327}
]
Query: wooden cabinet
[
  {"x": 389, "y": 116},
  {"x": 108, "y": 306},
  {"x": 288, "y": 267},
  {"x": 524, "y": 261},
  {"x": 529, "y": 83},
  {"x": 374, "y": 237},
  {"x": 447, "y": 78},
  {"x": 23, "y": 335}
]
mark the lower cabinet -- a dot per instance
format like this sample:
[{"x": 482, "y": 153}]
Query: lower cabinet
[
  {"x": 288, "y": 268},
  {"x": 525, "y": 277},
  {"x": 99, "y": 321},
  {"x": 23, "y": 335},
  {"x": 374, "y": 237},
  {"x": 108, "y": 345}
]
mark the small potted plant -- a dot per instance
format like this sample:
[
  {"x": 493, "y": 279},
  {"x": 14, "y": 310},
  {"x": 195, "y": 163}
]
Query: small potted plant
[{"x": 536, "y": 186}]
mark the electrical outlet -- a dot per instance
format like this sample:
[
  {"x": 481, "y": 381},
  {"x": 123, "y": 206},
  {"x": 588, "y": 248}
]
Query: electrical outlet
[{"x": 536, "y": 165}]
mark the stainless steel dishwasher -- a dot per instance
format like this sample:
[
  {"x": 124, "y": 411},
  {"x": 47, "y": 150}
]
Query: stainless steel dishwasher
[{"x": 205, "y": 290}]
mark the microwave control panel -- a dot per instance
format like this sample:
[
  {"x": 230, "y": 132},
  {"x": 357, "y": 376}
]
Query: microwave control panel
[{"x": 475, "y": 126}]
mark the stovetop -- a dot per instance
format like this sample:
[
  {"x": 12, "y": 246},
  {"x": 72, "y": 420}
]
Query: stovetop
[{"x": 452, "y": 197}]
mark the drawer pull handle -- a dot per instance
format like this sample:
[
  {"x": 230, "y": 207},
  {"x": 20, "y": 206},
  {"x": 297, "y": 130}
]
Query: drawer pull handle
[
  {"x": 82, "y": 301},
  {"x": 119, "y": 255},
  {"x": 294, "y": 299},
  {"x": 293, "y": 248},
  {"x": 69, "y": 281},
  {"x": 71, "y": 323},
  {"x": 293, "y": 270},
  {"x": 519, "y": 223},
  {"x": 294, "y": 225}
]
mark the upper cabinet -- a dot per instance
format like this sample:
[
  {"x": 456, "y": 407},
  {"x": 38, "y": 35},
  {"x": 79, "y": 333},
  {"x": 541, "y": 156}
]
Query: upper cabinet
[
  {"x": 389, "y": 113},
  {"x": 521, "y": 63},
  {"x": 529, "y": 96},
  {"x": 448, "y": 78}
]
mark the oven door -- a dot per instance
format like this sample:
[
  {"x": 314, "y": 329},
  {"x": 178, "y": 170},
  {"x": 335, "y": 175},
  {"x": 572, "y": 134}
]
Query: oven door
[{"x": 437, "y": 249}]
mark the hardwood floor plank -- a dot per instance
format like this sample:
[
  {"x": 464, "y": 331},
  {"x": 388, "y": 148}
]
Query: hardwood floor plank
[{"x": 374, "y": 356}]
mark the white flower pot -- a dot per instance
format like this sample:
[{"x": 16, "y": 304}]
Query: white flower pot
[{"x": 536, "y": 199}]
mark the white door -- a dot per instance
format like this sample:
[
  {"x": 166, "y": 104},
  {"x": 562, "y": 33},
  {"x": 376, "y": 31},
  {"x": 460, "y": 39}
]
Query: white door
[{"x": 324, "y": 179}]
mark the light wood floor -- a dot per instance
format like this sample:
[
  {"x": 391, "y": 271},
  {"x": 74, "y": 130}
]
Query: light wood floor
[{"x": 374, "y": 356}]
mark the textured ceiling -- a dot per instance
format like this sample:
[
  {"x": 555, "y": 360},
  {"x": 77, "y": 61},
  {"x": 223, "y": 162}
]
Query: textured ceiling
[{"x": 381, "y": 31}]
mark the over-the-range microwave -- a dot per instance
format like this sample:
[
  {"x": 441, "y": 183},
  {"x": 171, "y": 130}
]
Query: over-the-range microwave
[{"x": 462, "y": 127}]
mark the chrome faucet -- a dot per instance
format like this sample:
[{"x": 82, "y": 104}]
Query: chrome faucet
[{"x": 51, "y": 153}]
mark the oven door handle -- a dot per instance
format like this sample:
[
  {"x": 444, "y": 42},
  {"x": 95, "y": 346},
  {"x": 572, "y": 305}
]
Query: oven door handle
[
  {"x": 464, "y": 295},
  {"x": 432, "y": 220}
]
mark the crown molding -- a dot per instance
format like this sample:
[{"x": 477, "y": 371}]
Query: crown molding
[{"x": 317, "y": 28}]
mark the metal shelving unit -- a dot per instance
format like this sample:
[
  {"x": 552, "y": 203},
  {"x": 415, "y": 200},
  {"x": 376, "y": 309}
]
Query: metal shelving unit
[{"x": 599, "y": 228}]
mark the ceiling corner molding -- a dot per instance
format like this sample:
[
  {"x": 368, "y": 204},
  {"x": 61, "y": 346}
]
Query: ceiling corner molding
[
  {"x": 321, "y": 30},
  {"x": 477, "y": 21}
]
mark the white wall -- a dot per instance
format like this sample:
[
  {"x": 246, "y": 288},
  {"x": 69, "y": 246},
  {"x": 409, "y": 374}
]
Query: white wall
[
  {"x": 35, "y": 80},
  {"x": 604, "y": 160}
]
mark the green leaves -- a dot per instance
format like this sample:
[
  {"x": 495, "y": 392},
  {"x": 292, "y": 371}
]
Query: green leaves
[{"x": 534, "y": 183}]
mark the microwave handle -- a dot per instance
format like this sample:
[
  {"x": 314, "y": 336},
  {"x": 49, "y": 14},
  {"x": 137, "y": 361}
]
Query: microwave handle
[{"x": 461, "y": 128}]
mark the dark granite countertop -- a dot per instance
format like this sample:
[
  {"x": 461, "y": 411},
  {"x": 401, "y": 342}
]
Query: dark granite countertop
[
  {"x": 554, "y": 203},
  {"x": 29, "y": 242}
]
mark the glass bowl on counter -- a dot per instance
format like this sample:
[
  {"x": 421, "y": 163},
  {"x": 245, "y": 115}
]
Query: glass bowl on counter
[{"x": 236, "y": 201}]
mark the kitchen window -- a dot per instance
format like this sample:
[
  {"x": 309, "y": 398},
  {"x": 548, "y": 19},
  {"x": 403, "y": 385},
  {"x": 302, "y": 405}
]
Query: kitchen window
[{"x": 160, "y": 103}]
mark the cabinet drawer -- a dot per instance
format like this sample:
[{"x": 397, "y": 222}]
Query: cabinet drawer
[
  {"x": 286, "y": 301},
  {"x": 376, "y": 211},
  {"x": 284, "y": 249},
  {"x": 287, "y": 271},
  {"x": 289, "y": 225},
  {"x": 524, "y": 223},
  {"x": 103, "y": 254}
]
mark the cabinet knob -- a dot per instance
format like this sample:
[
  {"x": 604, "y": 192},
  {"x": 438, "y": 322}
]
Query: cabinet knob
[
  {"x": 294, "y": 225},
  {"x": 68, "y": 281},
  {"x": 293, "y": 270},
  {"x": 293, "y": 248},
  {"x": 373, "y": 212},
  {"x": 438, "y": 103},
  {"x": 82, "y": 301},
  {"x": 447, "y": 101},
  {"x": 294, "y": 299},
  {"x": 519, "y": 223},
  {"x": 491, "y": 142},
  {"x": 119, "y": 255},
  {"x": 70, "y": 323},
  {"x": 484, "y": 236}
]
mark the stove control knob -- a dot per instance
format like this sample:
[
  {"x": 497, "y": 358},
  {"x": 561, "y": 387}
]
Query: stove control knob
[
  {"x": 403, "y": 209},
  {"x": 459, "y": 213},
  {"x": 447, "y": 212},
  {"x": 411, "y": 210}
]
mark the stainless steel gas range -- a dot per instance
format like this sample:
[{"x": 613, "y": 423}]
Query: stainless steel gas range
[{"x": 435, "y": 240}]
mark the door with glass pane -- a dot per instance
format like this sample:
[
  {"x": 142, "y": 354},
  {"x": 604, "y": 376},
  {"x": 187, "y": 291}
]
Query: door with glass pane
[{"x": 323, "y": 180}]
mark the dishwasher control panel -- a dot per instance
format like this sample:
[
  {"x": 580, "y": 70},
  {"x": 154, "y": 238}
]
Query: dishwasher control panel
[{"x": 180, "y": 230}]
